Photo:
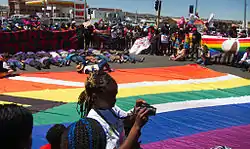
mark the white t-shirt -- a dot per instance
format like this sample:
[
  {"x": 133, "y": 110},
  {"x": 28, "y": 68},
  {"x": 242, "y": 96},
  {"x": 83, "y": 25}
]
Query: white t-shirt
[
  {"x": 114, "y": 139},
  {"x": 114, "y": 34},
  {"x": 90, "y": 68},
  {"x": 246, "y": 57},
  {"x": 164, "y": 39},
  {"x": 5, "y": 65},
  {"x": 64, "y": 53},
  {"x": 54, "y": 54}
]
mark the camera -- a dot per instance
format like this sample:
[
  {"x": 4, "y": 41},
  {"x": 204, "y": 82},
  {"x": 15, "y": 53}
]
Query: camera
[{"x": 151, "y": 109}]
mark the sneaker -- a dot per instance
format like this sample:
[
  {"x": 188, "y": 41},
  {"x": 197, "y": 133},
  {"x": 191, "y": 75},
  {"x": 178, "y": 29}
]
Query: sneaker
[
  {"x": 142, "y": 59},
  {"x": 111, "y": 70}
]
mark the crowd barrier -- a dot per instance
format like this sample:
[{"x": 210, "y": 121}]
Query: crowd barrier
[{"x": 13, "y": 42}]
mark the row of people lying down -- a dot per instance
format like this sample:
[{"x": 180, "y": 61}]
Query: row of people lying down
[{"x": 85, "y": 60}]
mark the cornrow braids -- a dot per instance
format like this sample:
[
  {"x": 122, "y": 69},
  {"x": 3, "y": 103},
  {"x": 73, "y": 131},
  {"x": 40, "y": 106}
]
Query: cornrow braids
[
  {"x": 86, "y": 133},
  {"x": 96, "y": 83}
]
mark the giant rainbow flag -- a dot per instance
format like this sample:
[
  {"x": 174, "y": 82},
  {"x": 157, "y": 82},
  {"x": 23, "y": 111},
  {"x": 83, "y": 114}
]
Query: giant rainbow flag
[{"x": 197, "y": 108}]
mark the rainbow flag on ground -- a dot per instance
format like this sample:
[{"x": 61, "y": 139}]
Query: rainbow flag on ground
[{"x": 196, "y": 107}]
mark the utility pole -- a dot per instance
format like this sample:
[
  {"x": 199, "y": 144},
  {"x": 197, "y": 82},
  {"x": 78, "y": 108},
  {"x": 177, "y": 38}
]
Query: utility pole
[
  {"x": 196, "y": 6},
  {"x": 136, "y": 17},
  {"x": 158, "y": 14},
  {"x": 85, "y": 10},
  {"x": 245, "y": 16},
  {"x": 85, "y": 20},
  {"x": 74, "y": 14}
]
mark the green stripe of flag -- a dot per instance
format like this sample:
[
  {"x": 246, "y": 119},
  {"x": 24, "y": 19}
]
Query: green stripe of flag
[{"x": 69, "y": 114}]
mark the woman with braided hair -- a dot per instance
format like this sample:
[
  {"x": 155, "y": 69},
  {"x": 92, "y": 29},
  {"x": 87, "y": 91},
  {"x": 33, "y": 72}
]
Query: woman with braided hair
[
  {"x": 86, "y": 133},
  {"x": 98, "y": 100}
]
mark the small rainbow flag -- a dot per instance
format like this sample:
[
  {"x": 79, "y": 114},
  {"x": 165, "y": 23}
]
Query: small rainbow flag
[{"x": 196, "y": 107}]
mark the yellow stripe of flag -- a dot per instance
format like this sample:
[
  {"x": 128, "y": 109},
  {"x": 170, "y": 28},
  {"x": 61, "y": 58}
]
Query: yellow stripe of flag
[{"x": 71, "y": 95}]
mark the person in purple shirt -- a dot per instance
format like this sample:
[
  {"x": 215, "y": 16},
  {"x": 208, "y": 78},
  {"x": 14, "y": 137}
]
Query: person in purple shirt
[
  {"x": 33, "y": 63},
  {"x": 14, "y": 63}
]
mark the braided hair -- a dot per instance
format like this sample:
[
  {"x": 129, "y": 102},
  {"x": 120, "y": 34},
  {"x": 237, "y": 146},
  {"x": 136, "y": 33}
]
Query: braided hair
[
  {"x": 96, "y": 83},
  {"x": 16, "y": 123},
  {"x": 86, "y": 133}
]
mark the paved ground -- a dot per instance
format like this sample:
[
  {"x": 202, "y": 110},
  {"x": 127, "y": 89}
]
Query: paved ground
[{"x": 157, "y": 61}]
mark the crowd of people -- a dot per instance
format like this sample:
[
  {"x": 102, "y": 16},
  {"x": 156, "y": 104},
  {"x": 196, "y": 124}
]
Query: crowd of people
[
  {"x": 101, "y": 123},
  {"x": 33, "y": 23},
  {"x": 181, "y": 44},
  {"x": 105, "y": 43}
]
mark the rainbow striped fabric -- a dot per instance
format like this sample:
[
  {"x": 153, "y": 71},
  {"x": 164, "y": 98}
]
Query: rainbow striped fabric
[
  {"x": 196, "y": 107},
  {"x": 215, "y": 43}
]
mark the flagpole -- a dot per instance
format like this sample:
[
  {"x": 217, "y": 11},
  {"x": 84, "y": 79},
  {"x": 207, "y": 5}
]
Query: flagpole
[
  {"x": 196, "y": 6},
  {"x": 85, "y": 10},
  {"x": 74, "y": 10},
  {"x": 245, "y": 16}
]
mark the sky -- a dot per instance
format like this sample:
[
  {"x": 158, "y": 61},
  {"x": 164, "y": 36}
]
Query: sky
[{"x": 223, "y": 9}]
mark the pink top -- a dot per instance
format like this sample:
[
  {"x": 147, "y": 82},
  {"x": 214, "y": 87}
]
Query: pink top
[{"x": 149, "y": 36}]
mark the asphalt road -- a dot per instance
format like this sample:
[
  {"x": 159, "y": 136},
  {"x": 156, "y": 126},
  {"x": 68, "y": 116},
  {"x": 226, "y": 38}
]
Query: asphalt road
[{"x": 153, "y": 61}]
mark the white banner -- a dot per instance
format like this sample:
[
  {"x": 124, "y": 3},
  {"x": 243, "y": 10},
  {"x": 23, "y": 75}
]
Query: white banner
[{"x": 140, "y": 45}]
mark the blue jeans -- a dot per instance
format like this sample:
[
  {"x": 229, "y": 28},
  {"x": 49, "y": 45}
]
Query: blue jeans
[
  {"x": 200, "y": 61},
  {"x": 77, "y": 59},
  {"x": 102, "y": 57},
  {"x": 102, "y": 64},
  {"x": 17, "y": 64},
  {"x": 131, "y": 58}
]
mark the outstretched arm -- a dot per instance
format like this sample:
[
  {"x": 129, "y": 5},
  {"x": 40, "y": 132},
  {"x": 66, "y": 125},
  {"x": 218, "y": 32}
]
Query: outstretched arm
[{"x": 135, "y": 132}]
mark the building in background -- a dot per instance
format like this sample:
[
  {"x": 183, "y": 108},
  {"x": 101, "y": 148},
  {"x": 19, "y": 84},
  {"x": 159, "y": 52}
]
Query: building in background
[
  {"x": 19, "y": 7},
  {"x": 107, "y": 14},
  {"x": 51, "y": 8},
  {"x": 4, "y": 10}
]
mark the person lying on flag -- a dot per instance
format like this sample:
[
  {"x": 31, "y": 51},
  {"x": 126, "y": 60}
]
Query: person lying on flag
[
  {"x": 92, "y": 65},
  {"x": 32, "y": 62},
  {"x": 5, "y": 69},
  {"x": 45, "y": 59},
  {"x": 14, "y": 64},
  {"x": 57, "y": 59},
  {"x": 45, "y": 62},
  {"x": 73, "y": 56},
  {"x": 131, "y": 58}
]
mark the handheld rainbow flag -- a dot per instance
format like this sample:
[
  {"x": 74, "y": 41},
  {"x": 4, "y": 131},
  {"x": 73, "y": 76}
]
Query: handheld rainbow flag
[{"x": 226, "y": 44}]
